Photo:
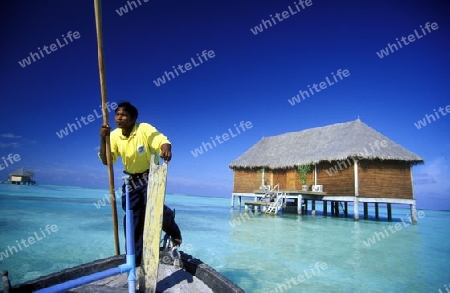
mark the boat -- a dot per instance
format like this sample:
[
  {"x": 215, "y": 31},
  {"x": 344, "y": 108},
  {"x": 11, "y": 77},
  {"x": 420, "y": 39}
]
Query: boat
[{"x": 192, "y": 276}]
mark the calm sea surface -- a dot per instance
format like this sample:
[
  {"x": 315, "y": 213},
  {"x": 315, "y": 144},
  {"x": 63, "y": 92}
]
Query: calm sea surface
[{"x": 46, "y": 228}]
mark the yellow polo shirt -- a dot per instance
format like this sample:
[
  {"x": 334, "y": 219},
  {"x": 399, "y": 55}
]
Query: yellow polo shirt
[{"x": 135, "y": 150}]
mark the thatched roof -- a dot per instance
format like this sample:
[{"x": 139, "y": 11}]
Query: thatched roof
[
  {"x": 22, "y": 172},
  {"x": 328, "y": 143}
]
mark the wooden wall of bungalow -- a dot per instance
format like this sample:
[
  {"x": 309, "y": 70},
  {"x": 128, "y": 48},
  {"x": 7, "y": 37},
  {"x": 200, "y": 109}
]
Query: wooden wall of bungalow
[{"x": 379, "y": 179}]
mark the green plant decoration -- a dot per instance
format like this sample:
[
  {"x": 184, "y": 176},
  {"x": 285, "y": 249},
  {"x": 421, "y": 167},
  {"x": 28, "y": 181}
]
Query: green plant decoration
[
  {"x": 303, "y": 170},
  {"x": 260, "y": 172}
]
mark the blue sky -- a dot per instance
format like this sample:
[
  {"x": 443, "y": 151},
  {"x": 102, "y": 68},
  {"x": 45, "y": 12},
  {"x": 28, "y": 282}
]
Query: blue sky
[{"x": 250, "y": 78}]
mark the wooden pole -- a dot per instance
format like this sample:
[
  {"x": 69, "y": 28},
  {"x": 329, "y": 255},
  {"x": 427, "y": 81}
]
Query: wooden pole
[
  {"x": 299, "y": 204},
  {"x": 356, "y": 201},
  {"x": 413, "y": 206},
  {"x": 98, "y": 26},
  {"x": 389, "y": 211}
]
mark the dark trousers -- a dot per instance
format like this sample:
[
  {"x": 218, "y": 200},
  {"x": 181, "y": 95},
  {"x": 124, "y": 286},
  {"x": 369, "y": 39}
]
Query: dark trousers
[{"x": 138, "y": 202}]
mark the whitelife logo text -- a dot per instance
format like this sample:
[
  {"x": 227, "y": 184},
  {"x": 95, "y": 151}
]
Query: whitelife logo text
[
  {"x": 243, "y": 126},
  {"x": 53, "y": 47},
  {"x": 86, "y": 120},
  {"x": 168, "y": 76}
]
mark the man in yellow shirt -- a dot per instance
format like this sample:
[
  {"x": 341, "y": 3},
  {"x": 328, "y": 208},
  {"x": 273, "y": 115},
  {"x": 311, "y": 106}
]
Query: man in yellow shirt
[{"x": 135, "y": 143}]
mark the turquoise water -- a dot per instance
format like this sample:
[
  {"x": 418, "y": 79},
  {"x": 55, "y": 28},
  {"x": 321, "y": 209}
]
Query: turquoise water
[{"x": 260, "y": 253}]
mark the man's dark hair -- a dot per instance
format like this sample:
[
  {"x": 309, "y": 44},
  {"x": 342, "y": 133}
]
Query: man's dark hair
[{"x": 128, "y": 108}]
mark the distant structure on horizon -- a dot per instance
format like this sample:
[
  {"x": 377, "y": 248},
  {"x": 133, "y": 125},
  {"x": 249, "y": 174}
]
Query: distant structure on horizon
[
  {"x": 344, "y": 162},
  {"x": 21, "y": 176}
]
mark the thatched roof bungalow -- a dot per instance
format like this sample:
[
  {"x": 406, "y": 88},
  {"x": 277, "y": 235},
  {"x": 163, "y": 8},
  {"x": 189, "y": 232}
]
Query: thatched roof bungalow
[
  {"x": 21, "y": 176},
  {"x": 347, "y": 159}
]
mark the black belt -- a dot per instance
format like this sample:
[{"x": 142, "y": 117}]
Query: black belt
[{"x": 138, "y": 176}]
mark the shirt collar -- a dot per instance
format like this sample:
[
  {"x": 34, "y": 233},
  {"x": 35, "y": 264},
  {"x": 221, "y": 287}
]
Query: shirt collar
[{"x": 133, "y": 131}]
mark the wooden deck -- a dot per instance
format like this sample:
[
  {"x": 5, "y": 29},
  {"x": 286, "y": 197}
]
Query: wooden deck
[
  {"x": 256, "y": 203},
  {"x": 301, "y": 198}
]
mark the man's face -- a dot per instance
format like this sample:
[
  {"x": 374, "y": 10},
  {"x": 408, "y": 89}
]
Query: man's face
[{"x": 123, "y": 118}]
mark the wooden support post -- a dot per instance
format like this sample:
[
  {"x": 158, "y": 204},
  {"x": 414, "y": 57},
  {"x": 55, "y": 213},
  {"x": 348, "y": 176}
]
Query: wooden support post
[
  {"x": 313, "y": 207},
  {"x": 240, "y": 201},
  {"x": 356, "y": 201},
  {"x": 299, "y": 204},
  {"x": 232, "y": 201},
  {"x": 413, "y": 206},
  {"x": 346, "y": 209},
  {"x": 389, "y": 211},
  {"x": 366, "y": 210},
  {"x": 413, "y": 214},
  {"x": 325, "y": 207},
  {"x": 356, "y": 209},
  {"x": 332, "y": 208},
  {"x": 306, "y": 206},
  {"x": 377, "y": 214},
  {"x": 336, "y": 209}
]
